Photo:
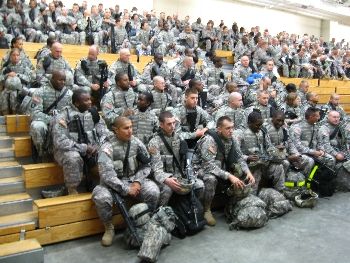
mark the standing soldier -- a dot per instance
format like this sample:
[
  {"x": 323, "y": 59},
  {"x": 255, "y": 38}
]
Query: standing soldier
[{"x": 123, "y": 164}]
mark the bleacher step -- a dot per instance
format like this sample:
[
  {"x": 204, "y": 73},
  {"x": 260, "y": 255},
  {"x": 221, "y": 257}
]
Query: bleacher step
[
  {"x": 7, "y": 154},
  {"x": 2, "y": 120},
  {"x": 12, "y": 185},
  {"x": 28, "y": 251},
  {"x": 5, "y": 142},
  {"x": 2, "y": 129},
  {"x": 14, "y": 223},
  {"x": 15, "y": 203},
  {"x": 10, "y": 169}
]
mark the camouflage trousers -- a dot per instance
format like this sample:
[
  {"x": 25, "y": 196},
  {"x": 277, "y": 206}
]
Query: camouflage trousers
[
  {"x": 72, "y": 165},
  {"x": 343, "y": 178},
  {"x": 209, "y": 45},
  {"x": 271, "y": 171},
  {"x": 305, "y": 165},
  {"x": 104, "y": 201},
  {"x": 8, "y": 102},
  {"x": 210, "y": 183},
  {"x": 327, "y": 159},
  {"x": 39, "y": 133},
  {"x": 166, "y": 192}
]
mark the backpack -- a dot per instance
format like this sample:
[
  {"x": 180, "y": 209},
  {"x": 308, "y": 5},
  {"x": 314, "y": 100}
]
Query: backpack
[
  {"x": 322, "y": 180},
  {"x": 189, "y": 214}
]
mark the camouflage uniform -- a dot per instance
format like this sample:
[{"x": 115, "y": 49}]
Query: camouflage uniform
[
  {"x": 260, "y": 57},
  {"x": 284, "y": 62},
  {"x": 304, "y": 137},
  {"x": 110, "y": 165},
  {"x": 82, "y": 23},
  {"x": 274, "y": 52},
  {"x": 47, "y": 65},
  {"x": 45, "y": 28},
  {"x": 188, "y": 40},
  {"x": 120, "y": 38},
  {"x": 329, "y": 107},
  {"x": 240, "y": 74},
  {"x": 264, "y": 110},
  {"x": 96, "y": 22},
  {"x": 103, "y": 33},
  {"x": 213, "y": 76},
  {"x": 179, "y": 72},
  {"x": 144, "y": 124},
  {"x": 162, "y": 41},
  {"x": 163, "y": 164},
  {"x": 241, "y": 50},
  {"x": 22, "y": 25},
  {"x": 42, "y": 99},
  {"x": 237, "y": 116},
  {"x": 299, "y": 62},
  {"x": 68, "y": 151},
  {"x": 260, "y": 144},
  {"x": 115, "y": 102},
  {"x": 122, "y": 67},
  {"x": 161, "y": 100},
  {"x": 65, "y": 32},
  {"x": 209, "y": 45},
  {"x": 87, "y": 72},
  {"x": 142, "y": 38},
  {"x": 23, "y": 57}
]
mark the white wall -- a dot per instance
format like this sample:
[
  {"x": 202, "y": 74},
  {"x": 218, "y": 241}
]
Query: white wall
[
  {"x": 339, "y": 31},
  {"x": 245, "y": 15}
]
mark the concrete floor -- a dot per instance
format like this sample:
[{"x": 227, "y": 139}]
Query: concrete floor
[{"x": 314, "y": 235}]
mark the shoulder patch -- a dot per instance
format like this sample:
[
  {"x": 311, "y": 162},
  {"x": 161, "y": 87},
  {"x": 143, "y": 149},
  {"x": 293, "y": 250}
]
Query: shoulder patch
[
  {"x": 108, "y": 106},
  {"x": 152, "y": 150}
]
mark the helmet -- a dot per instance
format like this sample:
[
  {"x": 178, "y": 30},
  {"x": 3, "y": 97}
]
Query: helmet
[
  {"x": 306, "y": 199},
  {"x": 55, "y": 192},
  {"x": 140, "y": 213},
  {"x": 186, "y": 186},
  {"x": 239, "y": 193},
  {"x": 13, "y": 83}
]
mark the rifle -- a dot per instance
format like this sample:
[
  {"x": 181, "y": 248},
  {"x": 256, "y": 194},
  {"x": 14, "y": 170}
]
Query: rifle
[
  {"x": 113, "y": 46},
  {"x": 129, "y": 222},
  {"x": 130, "y": 76},
  {"x": 103, "y": 78},
  {"x": 89, "y": 35}
]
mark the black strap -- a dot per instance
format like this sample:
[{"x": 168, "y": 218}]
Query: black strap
[
  {"x": 177, "y": 163},
  {"x": 312, "y": 135},
  {"x": 126, "y": 162},
  {"x": 54, "y": 104},
  {"x": 334, "y": 133}
]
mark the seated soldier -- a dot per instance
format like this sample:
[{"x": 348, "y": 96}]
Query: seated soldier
[
  {"x": 119, "y": 101},
  {"x": 258, "y": 152},
  {"x": 291, "y": 108},
  {"x": 161, "y": 98},
  {"x": 333, "y": 141},
  {"x": 216, "y": 155},
  {"x": 168, "y": 165},
  {"x": 123, "y": 164},
  {"x": 333, "y": 104},
  {"x": 262, "y": 105},
  {"x": 77, "y": 133},
  {"x": 47, "y": 101}
]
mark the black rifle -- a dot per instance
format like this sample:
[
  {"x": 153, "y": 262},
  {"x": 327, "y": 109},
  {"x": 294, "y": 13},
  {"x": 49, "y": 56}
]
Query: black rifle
[
  {"x": 155, "y": 70},
  {"x": 190, "y": 74},
  {"x": 89, "y": 35},
  {"x": 129, "y": 222},
  {"x": 190, "y": 178},
  {"x": 103, "y": 78},
  {"x": 113, "y": 46},
  {"x": 130, "y": 76}
]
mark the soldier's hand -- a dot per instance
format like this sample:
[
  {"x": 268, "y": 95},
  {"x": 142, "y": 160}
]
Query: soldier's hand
[
  {"x": 95, "y": 87},
  {"x": 173, "y": 184},
  {"x": 294, "y": 158},
  {"x": 128, "y": 112},
  {"x": 253, "y": 158},
  {"x": 106, "y": 84},
  {"x": 318, "y": 153},
  {"x": 91, "y": 150},
  {"x": 251, "y": 178},
  {"x": 235, "y": 181},
  {"x": 200, "y": 132},
  {"x": 339, "y": 157},
  {"x": 11, "y": 74},
  {"x": 134, "y": 189},
  {"x": 133, "y": 83}
]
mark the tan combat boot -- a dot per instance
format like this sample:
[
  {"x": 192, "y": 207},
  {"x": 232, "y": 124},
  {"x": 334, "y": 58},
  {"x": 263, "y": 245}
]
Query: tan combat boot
[
  {"x": 108, "y": 236},
  {"x": 72, "y": 191},
  {"x": 209, "y": 216}
]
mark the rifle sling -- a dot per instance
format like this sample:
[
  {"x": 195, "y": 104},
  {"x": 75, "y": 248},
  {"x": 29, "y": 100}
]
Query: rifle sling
[
  {"x": 126, "y": 162},
  {"x": 54, "y": 104}
]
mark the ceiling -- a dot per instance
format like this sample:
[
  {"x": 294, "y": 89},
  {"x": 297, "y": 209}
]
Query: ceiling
[{"x": 335, "y": 10}]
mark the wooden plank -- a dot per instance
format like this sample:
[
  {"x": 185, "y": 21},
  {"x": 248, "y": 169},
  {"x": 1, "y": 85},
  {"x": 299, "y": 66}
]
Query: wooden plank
[
  {"x": 17, "y": 123},
  {"x": 23, "y": 146},
  {"x": 343, "y": 90},
  {"x": 330, "y": 83},
  {"x": 14, "y": 197},
  {"x": 322, "y": 90},
  {"x": 17, "y": 228},
  {"x": 323, "y": 98},
  {"x": 19, "y": 247},
  {"x": 345, "y": 99},
  {"x": 42, "y": 174},
  {"x": 65, "y": 232}
]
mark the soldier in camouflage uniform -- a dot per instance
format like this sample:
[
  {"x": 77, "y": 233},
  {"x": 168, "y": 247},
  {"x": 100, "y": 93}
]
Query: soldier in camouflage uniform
[
  {"x": 187, "y": 39},
  {"x": 214, "y": 75},
  {"x": 88, "y": 71},
  {"x": 44, "y": 26},
  {"x": 143, "y": 40},
  {"x": 242, "y": 48},
  {"x": 212, "y": 164},
  {"x": 44, "y": 107},
  {"x": 242, "y": 71},
  {"x": 17, "y": 42},
  {"x": 210, "y": 37},
  {"x": 119, "y": 101},
  {"x": 54, "y": 61},
  {"x": 274, "y": 49},
  {"x": 161, "y": 98},
  {"x": 96, "y": 23},
  {"x": 258, "y": 151},
  {"x": 106, "y": 24},
  {"x": 333, "y": 142},
  {"x": 333, "y": 105},
  {"x": 66, "y": 26},
  {"x": 144, "y": 120},
  {"x": 262, "y": 105},
  {"x": 222, "y": 99},
  {"x": 303, "y": 90},
  {"x": 183, "y": 73},
  {"x": 304, "y": 137},
  {"x": 166, "y": 172},
  {"x": 302, "y": 64},
  {"x": 284, "y": 62},
  {"x": 267, "y": 70},
  {"x": 121, "y": 39},
  {"x": 260, "y": 55},
  {"x": 82, "y": 24},
  {"x": 69, "y": 152},
  {"x": 311, "y": 102},
  {"x": 15, "y": 76},
  {"x": 197, "y": 28},
  {"x": 164, "y": 43},
  {"x": 127, "y": 175},
  {"x": 233, "y": 110}
]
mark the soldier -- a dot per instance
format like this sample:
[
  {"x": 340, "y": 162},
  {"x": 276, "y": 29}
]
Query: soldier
[
  {"x": 66, "y": 26},
  {"x": 164, "y": 163},
  {"x": 226, "y": 42},
  {"x": 144, "y": 120},
  {"x": 197, "y": 28},
  {"x": 183, "y": 73},
  {"x": 333, "y": 141},
  {"x": 44, "y": 26},
  {"x": 333, "y": 105},
  {"x": 292, "y": 109},
  {"x": 161, "y": 98},
  {"x": 337, "y": 70},
  {"x": 96, "y": 22},
  {"x": 214, "y": 75},
  {"x": 123, "y": 164},
  {"x": 262, "y": 105},
  {"x": 242, "y": 71},
  {"x": 217, "y": 155},
  {"x": 123, "y": 65},
  {"x": 284, "y": 62},
  {"x": 88, "y": 71},
  {"x": 268, "y": 70},
  {"x": 156, "y": 68},
  {"x": 193, "y": 120},
  {"x": 242, "y": 48},
  {"x": 119, "y": 101},
  {"x": 304, "y": 137},
  {"x": 311, "y": 101},
  {"x": 274, "y": 49},
  {"x": 222, "y": 98},
  {"x": 143, "y": 40},
  {"x": 303, "y": 90},
  {"x": 210, "y": 37},
  {"x": 164, "y": 43},
  {"x": 46, "y": 101},
  {"x": 302, "y": 65},
  {"x": 233, "y": 110},
  {"x": 82, "y": 24},
  {"x": 54, "y": 61},
  {"x": 17, "y": 42},
  {"x": 70, "y": 150},
  {"x": 287, "y": 151},
  {"x": 258, "y": 150},
  {"x": 119, "y": 36},
  {"x": 260, "y": 55},
  {"x": 106, "y": 24},
  {"x": 187, "y": 39},
  {"x": 15, "y": 76}
]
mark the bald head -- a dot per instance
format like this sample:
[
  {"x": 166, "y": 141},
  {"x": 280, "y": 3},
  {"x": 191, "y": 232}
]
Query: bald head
[
  {"x": 334, "y": 99},
  {"x": 333, "y": 117},
  {"x": 120, "y": 122},
  {"x": 159, "y": 83},
  {"x": 235, "y": 100},
  {"x": 93, "y": 52},
  {"x": 124, "y": 55},
  {"x": 56, "y": 50},
  {"x": 188, "y": 62}
]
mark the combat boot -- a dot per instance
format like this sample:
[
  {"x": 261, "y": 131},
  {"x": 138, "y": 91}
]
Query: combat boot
[
  {"x": 72, "y": 191},
  {"x": 108, "y": 236},
  {"x": 209, "y": 218}
]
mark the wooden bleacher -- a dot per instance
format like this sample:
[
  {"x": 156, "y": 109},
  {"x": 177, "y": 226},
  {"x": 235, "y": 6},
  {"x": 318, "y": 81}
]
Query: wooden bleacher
[{"x": 70, "y": 217}]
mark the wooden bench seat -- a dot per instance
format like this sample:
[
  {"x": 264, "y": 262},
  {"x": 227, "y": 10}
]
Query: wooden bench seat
[
  {"x": 17, "y": 123},
  {"x": 19, "y": 251},
  {"x": 42, "y": 174}
]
